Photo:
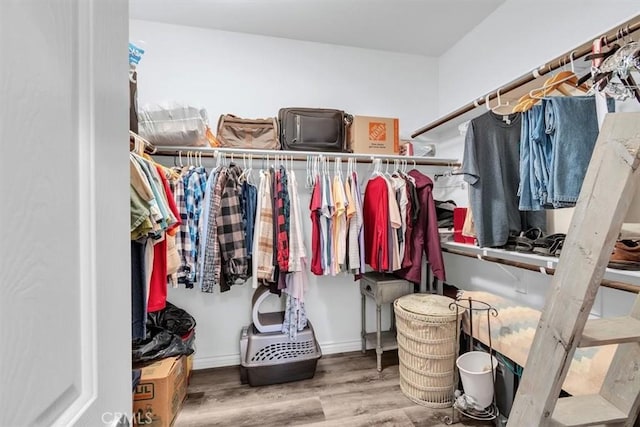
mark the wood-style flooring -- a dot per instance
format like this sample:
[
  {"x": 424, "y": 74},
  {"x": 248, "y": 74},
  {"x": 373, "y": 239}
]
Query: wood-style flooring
[{"x": 346, "y": 390}]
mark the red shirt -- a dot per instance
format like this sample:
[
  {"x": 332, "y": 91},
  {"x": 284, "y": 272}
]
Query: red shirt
[
  {"x": 158, "y": 285},
  {"x": 315, "y": 205},
  {"x": 375, "y": 210}
]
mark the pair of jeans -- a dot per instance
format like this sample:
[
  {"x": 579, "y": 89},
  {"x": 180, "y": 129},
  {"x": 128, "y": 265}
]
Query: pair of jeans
[
  {"x": 558, "y": 137},
  {"x": 542, "y": 155},
  {"x": 532, "y": 161},
  {"x": 572, "y": 126},
  {"x": 535, "y": 152}
]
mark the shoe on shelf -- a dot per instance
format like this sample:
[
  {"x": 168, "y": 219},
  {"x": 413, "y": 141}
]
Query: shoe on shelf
[
  {"x": 625, "y": 255},
  {"x": 524, "y": 242},
  {"x": 550, "y": 245}
]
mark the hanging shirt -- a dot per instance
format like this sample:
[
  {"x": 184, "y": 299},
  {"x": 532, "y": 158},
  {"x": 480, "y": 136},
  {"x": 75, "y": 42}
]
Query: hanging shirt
[
  {"x": 158, "y": 195},
  {"x": 249, "y": 206},
  {"x": 395, "y": 222},
  {"x": 231, "y": 233},
  {"x": 182, "y": 233},
  {"x": 140, "y": 216},
  {"x": 194, "y": 191},
  {"x": 263, "y": 256},
  {"x": 339, "y": 232},
  {"x": 211, "y": 260},
  {"x": 410, "y": 189},
  {"x": 491, "y": 168},
  {"x": 353, "y": 255},
  {"x": 326, "y": 224},
  {"x": 297, "y": 252},
  {"x": 173, "y": 257},
  {"x": 157, "y": 297},
  {"x": 425, "y": 238},
  {"x": 376, "y": 224},
  {"x": 140, "y": 183},
  {"x": 400, "y": 186},
  {"x": 315, "y": 206},
  {"x": 282, "y": 212},
  {"x": 360, "y": 215}
]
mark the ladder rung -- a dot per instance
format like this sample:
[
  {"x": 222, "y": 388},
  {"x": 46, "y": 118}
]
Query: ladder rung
[
  {"x": 589, "y": 410},
  {"x": 614, "y": 330}
]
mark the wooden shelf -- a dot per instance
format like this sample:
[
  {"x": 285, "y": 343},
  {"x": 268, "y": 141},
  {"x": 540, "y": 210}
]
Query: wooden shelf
[
  {"x": 539, "y": 262},
  {"x": 615, "y": 330},
  {"x": 588, "y": 410}
]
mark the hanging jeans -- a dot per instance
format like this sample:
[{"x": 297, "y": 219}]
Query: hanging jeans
[
  {"x": 572, "y": 126},
  {"x": 541, "y": 154}
]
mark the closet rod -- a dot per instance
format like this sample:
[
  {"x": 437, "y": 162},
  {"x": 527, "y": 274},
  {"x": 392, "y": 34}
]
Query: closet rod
[
  {"x": 302, "y": 155},
  {"x": 584, "y": 49},
  {"x": 606, "y": 283}
]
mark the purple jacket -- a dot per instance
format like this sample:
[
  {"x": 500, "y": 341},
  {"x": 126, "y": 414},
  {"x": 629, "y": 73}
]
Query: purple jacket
[{"x": 425, "y": 237}]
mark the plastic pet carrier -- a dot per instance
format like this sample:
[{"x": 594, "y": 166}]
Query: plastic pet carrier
[{"x": 271, "y": 357}]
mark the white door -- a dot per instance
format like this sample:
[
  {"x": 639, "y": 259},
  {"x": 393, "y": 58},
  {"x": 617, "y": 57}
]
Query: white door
[{"x": 64, "y": 214}]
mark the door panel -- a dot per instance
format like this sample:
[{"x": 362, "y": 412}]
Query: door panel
[{"x": 64, "y": 307}]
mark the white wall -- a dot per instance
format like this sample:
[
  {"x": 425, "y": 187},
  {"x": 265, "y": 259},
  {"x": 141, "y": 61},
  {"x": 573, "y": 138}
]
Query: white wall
[
  {"x": 518, "y": 37},
  {"x": 253, "y": 76}
]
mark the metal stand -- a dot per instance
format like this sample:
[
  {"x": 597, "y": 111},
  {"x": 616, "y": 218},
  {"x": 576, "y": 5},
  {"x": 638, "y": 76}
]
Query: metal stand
[{"x": 460, "y": 404}]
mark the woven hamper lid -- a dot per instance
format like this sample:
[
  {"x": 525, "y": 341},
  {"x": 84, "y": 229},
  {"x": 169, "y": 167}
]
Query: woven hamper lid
[{"x": 428, "y": 305}]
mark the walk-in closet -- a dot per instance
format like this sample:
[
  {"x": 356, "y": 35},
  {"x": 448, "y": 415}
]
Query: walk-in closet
[{"x": 331, "y": 213}]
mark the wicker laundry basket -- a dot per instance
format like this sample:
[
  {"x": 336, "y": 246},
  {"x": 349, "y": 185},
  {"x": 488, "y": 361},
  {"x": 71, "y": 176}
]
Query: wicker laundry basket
[{"x": 427, "y": 348}]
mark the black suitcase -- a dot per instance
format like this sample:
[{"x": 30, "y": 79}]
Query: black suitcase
[{"x": 314, "y": 129}]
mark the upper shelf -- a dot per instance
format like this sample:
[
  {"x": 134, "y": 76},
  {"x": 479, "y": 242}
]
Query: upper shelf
[
  {"x": 542, "y": 262},
  {"x": 302, "y": 155}
]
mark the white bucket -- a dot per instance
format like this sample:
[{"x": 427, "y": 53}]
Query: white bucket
[{"x": 475, "y": 373}]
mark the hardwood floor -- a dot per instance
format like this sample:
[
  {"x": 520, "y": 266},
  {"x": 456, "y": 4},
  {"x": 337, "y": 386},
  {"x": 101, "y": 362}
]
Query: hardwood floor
[{"x": 346, "y": 390}]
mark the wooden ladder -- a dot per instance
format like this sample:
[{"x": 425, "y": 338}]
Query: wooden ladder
[{"x": 606, "y": 195}]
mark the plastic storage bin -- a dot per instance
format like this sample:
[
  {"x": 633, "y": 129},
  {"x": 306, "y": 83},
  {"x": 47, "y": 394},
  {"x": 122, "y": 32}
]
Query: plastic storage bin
[
  {"x": 271, "y": 358},
  {"x": 174, "y": 124},
  {"x": 427, "y": 348}
]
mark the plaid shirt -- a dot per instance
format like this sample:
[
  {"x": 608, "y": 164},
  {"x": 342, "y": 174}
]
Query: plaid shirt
[
  {"x": 264, "y": 231},
  {"x": 183, "y": 240},
  {"x": 212, "y": 260},
  {"x": 282, "y": 207},
  {"x": 194, "y": 189},
  {"x": 231, "y": 233}
]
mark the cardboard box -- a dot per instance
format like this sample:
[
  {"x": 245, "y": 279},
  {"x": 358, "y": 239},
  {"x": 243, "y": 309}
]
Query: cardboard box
[
  {"x": 189, "y": 365},
  {"x": 158, "y": 397},
  {"x": 374, "y": 135}
]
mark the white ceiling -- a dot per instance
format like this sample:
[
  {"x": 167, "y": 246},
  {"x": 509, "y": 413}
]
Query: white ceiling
[{"x": 425, "y": 27}]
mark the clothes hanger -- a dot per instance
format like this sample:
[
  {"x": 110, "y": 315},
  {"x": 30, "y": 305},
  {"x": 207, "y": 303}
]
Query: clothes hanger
[
  {"x": 564, "y": 82},
  {"x": 500, "y": 108},
  {"x": 559, "y": 80},
  {"x": 146, "y": 144},
  {"x": 249, "y": 174}
]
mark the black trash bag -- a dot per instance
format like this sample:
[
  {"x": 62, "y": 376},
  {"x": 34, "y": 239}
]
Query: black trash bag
[
  {"x": 159, "y": 344},
  {"x": 173, "y": 319}
]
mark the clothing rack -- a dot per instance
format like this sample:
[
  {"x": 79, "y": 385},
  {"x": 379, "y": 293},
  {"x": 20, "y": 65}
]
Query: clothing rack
[
  {"x": 609, "y": 37},
  {"x": 302, "y": 155}
]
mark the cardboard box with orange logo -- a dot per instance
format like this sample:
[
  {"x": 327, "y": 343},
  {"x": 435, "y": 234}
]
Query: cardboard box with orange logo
[
  {"x": 158, "y": 397},
  {"x": 374, "y": 135}
]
